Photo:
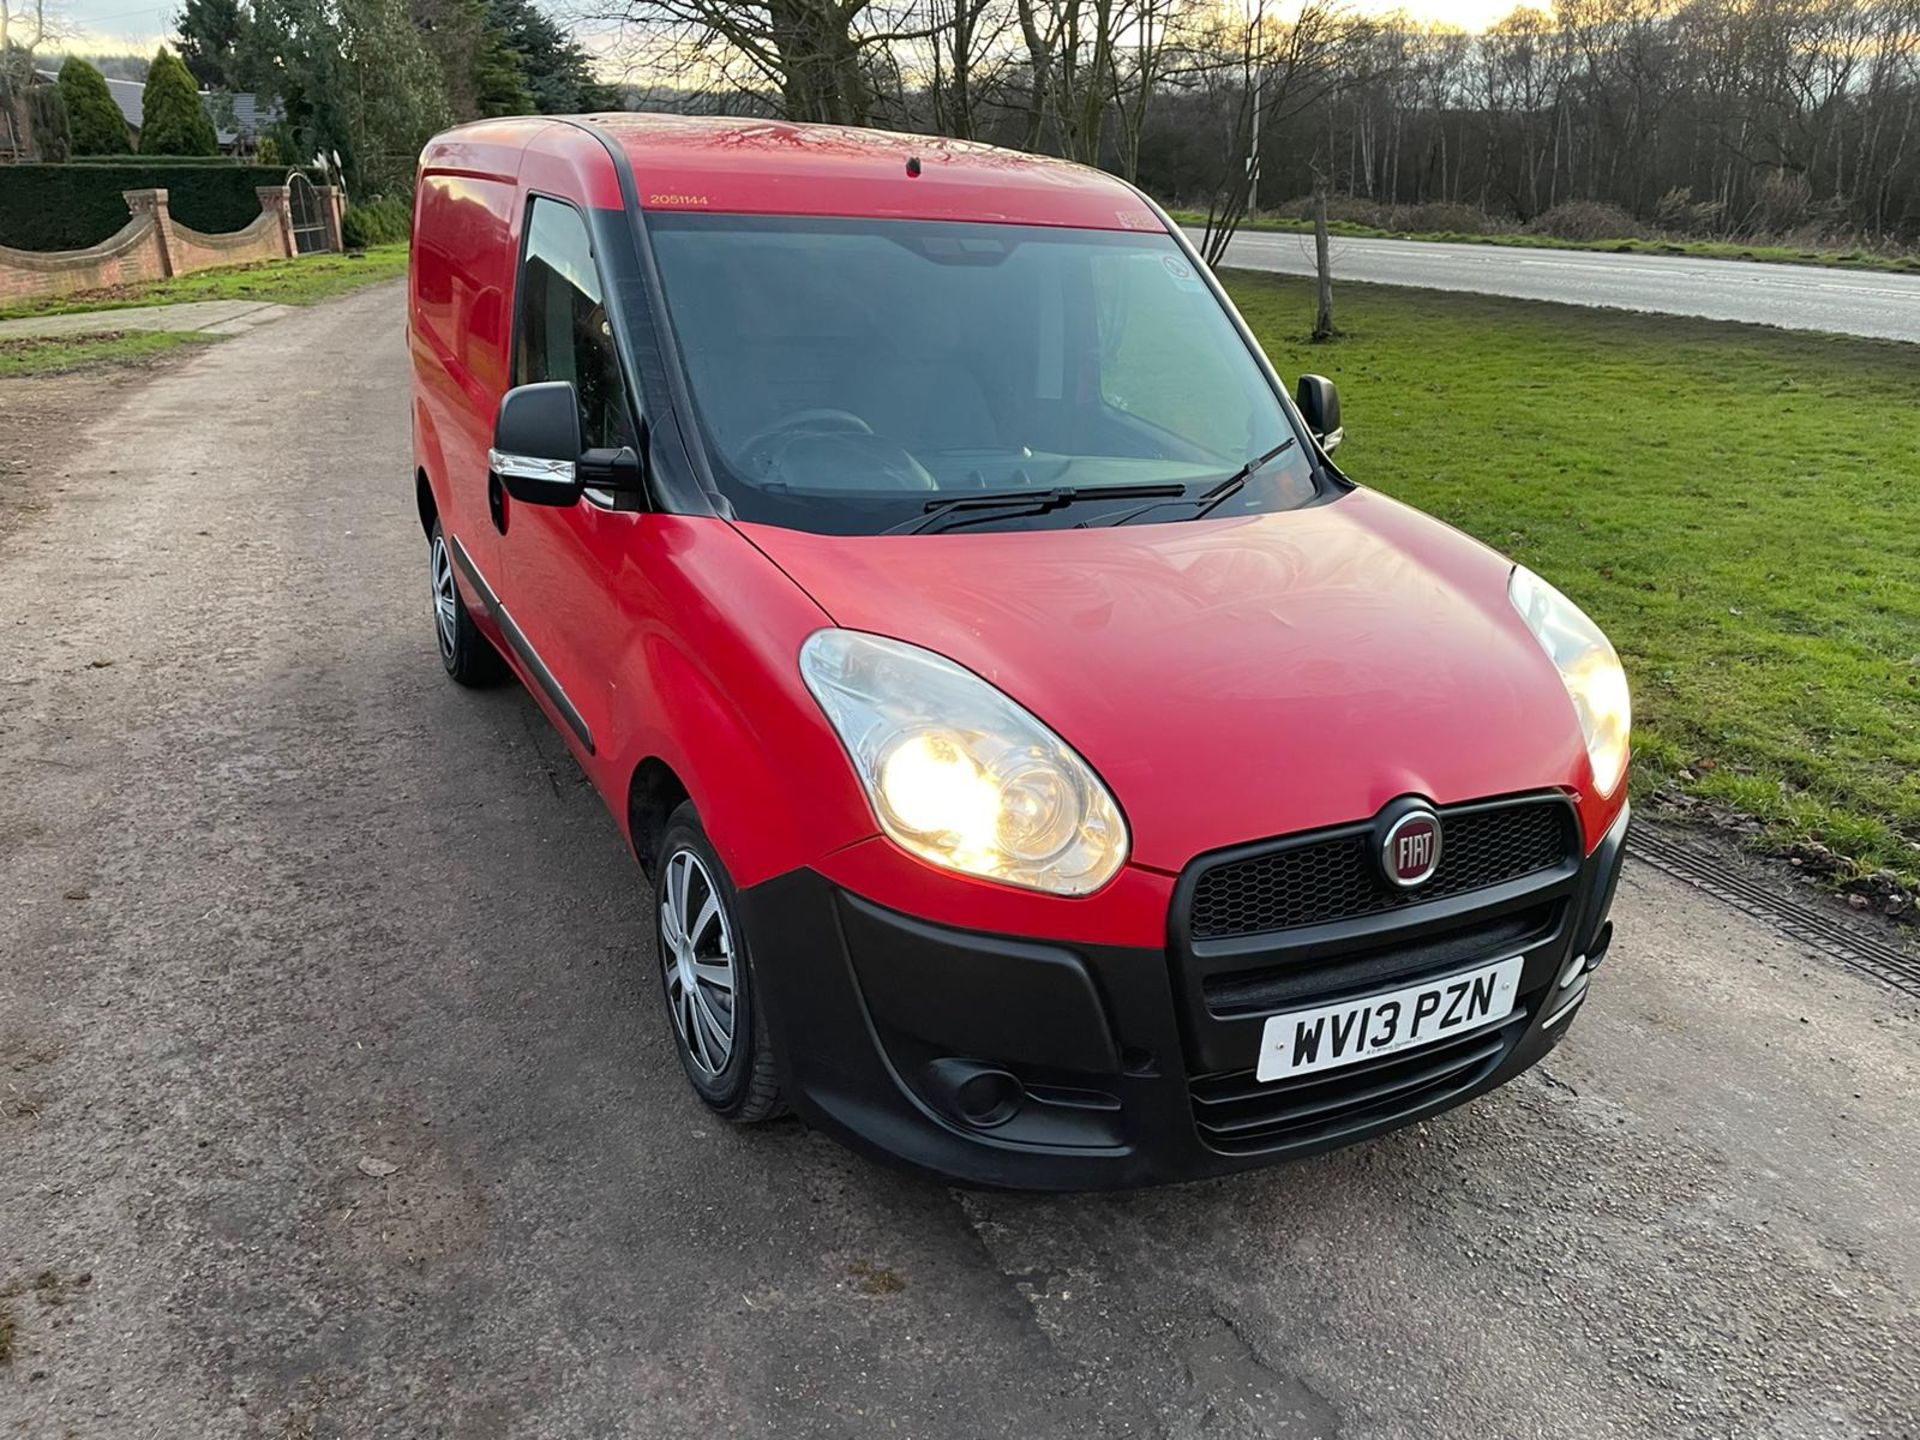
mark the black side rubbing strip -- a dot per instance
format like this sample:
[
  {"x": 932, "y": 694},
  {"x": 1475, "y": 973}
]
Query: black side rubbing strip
[{"x": 523, "y": 647}]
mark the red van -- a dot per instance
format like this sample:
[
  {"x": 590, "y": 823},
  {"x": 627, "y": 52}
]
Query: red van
[{"x": 1050, "y": 770}]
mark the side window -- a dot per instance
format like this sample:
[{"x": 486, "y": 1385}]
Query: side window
[{"x": 564, "y": 333}]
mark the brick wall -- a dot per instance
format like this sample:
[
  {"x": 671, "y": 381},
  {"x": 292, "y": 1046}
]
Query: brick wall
[
  {"x": 150, "y": 246},
  {"x": 191, "y": 250},
  {"x": 132, "y": 254}
]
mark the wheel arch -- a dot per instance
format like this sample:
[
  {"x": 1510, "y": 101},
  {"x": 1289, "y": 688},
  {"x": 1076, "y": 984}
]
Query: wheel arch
[
  {"x": 428, "y": 462},
  {"x": 424, "y": 500},
  {"x": 654, "y": 792}
]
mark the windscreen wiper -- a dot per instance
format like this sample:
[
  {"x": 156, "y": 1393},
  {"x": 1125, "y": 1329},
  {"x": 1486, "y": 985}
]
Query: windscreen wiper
[
  {"x": 1219, "y": 494},
  {"x": 1003, "y": 504}
]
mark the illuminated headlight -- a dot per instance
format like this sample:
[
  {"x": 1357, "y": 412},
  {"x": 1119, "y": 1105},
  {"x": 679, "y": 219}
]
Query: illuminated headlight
[
  {"x": 958, "y": 773},
  {"x": 1587, "y": 665}
]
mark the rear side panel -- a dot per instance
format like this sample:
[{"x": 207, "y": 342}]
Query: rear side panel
[{"x": 460, "y": 321}]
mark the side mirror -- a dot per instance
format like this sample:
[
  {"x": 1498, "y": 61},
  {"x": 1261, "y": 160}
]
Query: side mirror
[
  {"x": 616, "y": 472},
  {"x": 536, "y": 443},
  {"x": 1319, "y": 402}
]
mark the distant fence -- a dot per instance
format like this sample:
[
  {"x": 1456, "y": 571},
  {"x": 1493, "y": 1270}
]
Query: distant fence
[{"x": 152, "y": 245}]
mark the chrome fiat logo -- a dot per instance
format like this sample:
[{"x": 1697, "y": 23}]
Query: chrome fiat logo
[{"x": 1410, "y": 850}]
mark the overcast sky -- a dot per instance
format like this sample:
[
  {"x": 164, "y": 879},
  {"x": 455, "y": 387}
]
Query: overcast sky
[
  {"x": 99, "y": 24},
  {"x": 122, "y": 25}
]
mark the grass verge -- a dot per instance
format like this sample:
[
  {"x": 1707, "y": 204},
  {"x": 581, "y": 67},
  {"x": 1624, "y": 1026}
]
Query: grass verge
[
  {"x": 305, "y": 281},
  {"x": 1695, "y": 249},
  {"x": 50, "y": 354},
  {"x": 1737, "y": 506}
]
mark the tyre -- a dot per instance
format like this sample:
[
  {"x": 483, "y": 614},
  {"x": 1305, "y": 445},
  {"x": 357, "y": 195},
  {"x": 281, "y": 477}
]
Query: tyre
[
  {"x": 706, "y": 974},
  {"x": 468, "y": 655}
]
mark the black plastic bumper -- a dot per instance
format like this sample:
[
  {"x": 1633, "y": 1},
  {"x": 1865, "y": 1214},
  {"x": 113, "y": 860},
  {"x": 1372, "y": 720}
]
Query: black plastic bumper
[{"x": 991, "y": 1060}]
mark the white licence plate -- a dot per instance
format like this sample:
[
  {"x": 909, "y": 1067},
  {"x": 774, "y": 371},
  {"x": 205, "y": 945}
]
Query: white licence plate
[{"x": 1302, "y": 1041}]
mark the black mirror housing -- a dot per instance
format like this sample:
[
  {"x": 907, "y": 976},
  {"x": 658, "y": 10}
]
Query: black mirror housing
[
  {"x": 1319, "y": 402},
  {"x": 536, "y": 443}
]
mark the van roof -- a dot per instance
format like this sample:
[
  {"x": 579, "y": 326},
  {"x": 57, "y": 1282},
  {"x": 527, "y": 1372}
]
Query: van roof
[{"x": 772, "y": 167}]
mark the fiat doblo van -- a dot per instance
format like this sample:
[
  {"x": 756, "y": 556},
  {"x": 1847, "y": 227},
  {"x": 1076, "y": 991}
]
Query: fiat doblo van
[{"x": 1050, "y": 770}]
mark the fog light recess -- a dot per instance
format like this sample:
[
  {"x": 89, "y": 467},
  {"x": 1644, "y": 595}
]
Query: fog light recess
[
  {"x": 979, "y": 1096},
  {"x": 1598, "y": 950}
]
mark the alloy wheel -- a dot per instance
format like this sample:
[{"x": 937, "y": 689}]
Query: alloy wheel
[
  {"x": 445, "y": 602},
  {"x": 697, "y": 956}
]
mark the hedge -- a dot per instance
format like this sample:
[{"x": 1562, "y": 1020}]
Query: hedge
[
  {"x": 68, "y": 207},
  {"x": 387, "y": 221},
  {"x": 146, "y": 162}
]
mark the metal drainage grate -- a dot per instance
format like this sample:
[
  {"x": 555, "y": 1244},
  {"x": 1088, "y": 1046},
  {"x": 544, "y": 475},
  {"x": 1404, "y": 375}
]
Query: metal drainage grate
[{"x": 1889, "y": 963}]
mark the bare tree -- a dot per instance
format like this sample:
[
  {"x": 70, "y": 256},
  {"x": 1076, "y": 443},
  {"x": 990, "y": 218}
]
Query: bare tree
[
  {"x": 816, "y": 56},
  {"x": 1278, "y": 70},
  {"x": 1153, "y": 30},
  {"x": 967, "y": 47},
  {"x": 1040, "y": 30},
  {"x": 1705, "y": 116},
  {"x": 26, "y": 26},
  {"x": 1322, "y": 265},
  {"x": 1083, "y": 75},
  {"x": 1524, "y": 64}
]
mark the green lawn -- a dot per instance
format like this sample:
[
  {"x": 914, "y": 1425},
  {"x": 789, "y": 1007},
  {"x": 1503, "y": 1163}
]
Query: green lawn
[
  {"x": 45, "y": 355},
  {"x": 1738, "y": 507},
  {"x": 1697, "y": 249},
  {"x": 304, "y": 281}
]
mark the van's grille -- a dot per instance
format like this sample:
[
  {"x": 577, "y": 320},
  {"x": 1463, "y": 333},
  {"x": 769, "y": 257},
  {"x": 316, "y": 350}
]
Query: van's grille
[
  {"x": 1284, "y": 981},
  {"x": 1313, "y": 879},
  {"x": 1237, "y": 1114}
]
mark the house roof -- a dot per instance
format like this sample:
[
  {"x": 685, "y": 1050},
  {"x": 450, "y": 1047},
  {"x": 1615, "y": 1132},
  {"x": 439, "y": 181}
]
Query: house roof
[
  {"x": 126, "y": 94},
  {"x": 250, "y": 116}
]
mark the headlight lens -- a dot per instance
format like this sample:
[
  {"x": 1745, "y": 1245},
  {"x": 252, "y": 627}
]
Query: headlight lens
[
  {"x": 1587, "y": 665},
  {"x": 958, "y": 773}
]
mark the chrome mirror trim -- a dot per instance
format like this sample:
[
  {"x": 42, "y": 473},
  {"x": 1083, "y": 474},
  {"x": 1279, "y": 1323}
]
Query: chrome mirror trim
[{"x": 530, "y": 467}]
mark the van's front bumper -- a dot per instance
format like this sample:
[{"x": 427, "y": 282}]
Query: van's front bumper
[{"x": 992, "y": 1060}]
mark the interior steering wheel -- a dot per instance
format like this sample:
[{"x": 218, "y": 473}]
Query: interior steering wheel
[{"x": 758, "y": 453}]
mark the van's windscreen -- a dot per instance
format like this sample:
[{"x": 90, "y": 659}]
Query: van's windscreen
[{"x": 849, "y": 373}]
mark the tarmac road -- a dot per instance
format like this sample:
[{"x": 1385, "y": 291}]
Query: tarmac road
[
  {"x": 279, "y": 905},
  {"x": 1797, "y": 297}
]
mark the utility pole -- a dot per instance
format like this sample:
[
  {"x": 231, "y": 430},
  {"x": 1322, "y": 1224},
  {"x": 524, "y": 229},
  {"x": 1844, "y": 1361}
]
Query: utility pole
[
  {"x": 1253, "y": 149},
  {"x": 1322, "y": 262}
]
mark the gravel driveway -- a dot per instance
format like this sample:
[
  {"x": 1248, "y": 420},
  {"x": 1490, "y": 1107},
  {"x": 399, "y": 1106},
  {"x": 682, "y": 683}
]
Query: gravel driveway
[{"x": 335, "y": 1097}]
